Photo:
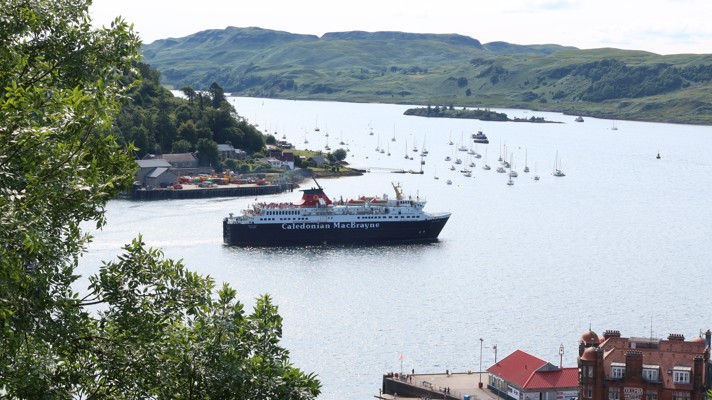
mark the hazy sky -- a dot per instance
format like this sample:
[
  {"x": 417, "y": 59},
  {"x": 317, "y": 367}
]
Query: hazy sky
[{"x": 659, "y": 26}]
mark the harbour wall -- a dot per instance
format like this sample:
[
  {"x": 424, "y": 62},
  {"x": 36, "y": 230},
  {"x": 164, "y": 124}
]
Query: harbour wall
[{"x": 204, "y": 193}]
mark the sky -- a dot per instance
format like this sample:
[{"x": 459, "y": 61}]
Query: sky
[{"x": 658, "y": 26}]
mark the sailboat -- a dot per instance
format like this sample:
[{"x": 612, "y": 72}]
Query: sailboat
[
  {"x": 393, "y": 139},
  {"x": 526, "y": 167},
  {"x": 305, "y": 137},
  {"x": 557, "y": 167},
  {"x": 435, "y": 172},
  {"x": 485, "y": 166},
  {"x": 316, "y": 125},
  {"x": 406, "y": 149},
  {"x": 536, "y": 176},
  {"x": 614, "y": 127}
]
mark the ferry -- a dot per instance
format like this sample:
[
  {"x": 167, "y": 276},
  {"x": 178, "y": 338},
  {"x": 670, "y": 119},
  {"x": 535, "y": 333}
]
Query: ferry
[{"x": 317, "y": 220}]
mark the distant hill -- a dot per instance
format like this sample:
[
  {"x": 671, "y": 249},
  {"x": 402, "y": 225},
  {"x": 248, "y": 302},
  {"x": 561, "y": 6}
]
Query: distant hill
[{"x": 439, "y": 69}]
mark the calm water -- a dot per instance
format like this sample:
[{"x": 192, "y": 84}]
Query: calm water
[{"x": 622, "y": 242}]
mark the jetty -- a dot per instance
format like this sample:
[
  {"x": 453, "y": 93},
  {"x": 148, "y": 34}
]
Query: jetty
[
  {"x": 448, "y": 385},
  {"x": 196, "y": 192}
]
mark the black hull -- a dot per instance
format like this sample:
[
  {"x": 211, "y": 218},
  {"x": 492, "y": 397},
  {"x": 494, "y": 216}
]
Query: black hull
[{"x": 300, "y": 234}]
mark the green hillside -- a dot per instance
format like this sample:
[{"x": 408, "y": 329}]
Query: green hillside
[{"x": 413, "y": 68}]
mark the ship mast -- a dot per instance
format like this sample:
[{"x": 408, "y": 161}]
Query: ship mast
[{"x": 399, "y": 193}]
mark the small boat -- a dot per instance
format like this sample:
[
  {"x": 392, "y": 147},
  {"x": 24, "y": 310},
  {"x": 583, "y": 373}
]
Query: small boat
[
  {"x": 501, "y": 169},
  {"x": 480, "y": 137},
  {"x": 614, "y": 127},
  {"x": 579, "y": 119},
  {"x": 510, "y": 182},
  {"x": 449, "y": 182},
  {"x": 557, "y": 167},
  {"x": 448, "y": 158},
  {"x": 658, "y": 156},
  {"x": 526, "y": 167},
  {"x": 536, "y": 176},
  {"x": 452, "y": 168}
]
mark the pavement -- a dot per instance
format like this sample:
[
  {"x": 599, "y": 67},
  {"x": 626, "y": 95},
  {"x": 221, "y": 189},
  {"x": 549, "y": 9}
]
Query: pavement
[{"x": 458, "y": 384}]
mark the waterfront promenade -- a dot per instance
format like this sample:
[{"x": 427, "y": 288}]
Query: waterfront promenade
[{"x": 436, "y": 386}]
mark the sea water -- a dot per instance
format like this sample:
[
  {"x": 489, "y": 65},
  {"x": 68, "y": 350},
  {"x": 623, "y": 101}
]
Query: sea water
[{"x": 621, "y": 242}]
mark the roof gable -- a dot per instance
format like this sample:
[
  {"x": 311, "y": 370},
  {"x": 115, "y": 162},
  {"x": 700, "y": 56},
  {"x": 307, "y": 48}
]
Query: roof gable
[
  {"x": 517, "y": 367},
  {"x": 153, "y": 163},
  {"x": 559, "y": 378}
]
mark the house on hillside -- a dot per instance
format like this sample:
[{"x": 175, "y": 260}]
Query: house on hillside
[
  {"x": 286, "y": 158},
  {"x": 226, "y": 151}
]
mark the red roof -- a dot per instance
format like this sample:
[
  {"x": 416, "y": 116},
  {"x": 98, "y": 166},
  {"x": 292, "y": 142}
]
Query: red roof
[
  {"x": 517, "y": 367},
  {"x": 559, "y": 378},
  {"x": 523, "y": 370}
]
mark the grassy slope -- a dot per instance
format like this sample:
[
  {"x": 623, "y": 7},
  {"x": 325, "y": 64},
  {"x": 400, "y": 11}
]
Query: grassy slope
[{"x": 395, "y": 67}]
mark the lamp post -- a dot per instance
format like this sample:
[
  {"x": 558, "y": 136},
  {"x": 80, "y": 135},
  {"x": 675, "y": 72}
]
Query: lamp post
[
  {"x": 480, "y": 384},
  {"x": 561, "y": 356}
]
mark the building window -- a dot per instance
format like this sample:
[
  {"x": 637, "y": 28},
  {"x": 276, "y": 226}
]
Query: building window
[
  {"x": 680, "y": 395},
  {"x": 651, "y": 395},
  {"x": 589, "y": 391},
  {"x": 650, "y": 374},
  {"x": 617, "y": 372},
  {"x": 614, "y": 393},
  {"x": 681, "y": 376}
]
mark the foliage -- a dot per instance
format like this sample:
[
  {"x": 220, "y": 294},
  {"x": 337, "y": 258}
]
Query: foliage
[
  {"x": 379, "y": 67},
  {"x": 339, "y": 154},
  {"x": 154, "y": 120},
  {"x": 146, "y": 328},
  {"x": 450, "y": 112}
]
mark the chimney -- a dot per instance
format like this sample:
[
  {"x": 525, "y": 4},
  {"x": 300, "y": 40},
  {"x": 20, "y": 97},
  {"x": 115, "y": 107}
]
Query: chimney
[
  {"x": 633, "y": 365},
  {"x": 609, "y": 334},
  {"x": 676, "y": 337}
]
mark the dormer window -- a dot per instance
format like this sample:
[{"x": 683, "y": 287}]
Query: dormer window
[
  {"x": 617, "y": 370},
  {"x": 651, "y": 372},
  {"x": 681, "y": 374}
]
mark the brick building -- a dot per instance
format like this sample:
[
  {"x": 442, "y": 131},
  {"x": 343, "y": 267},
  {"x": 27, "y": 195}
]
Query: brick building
[{"x": 617, "y": 368}]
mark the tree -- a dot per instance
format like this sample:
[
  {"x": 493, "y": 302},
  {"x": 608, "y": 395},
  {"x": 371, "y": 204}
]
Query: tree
[
  {"x": 207, "y": 152},
  {"x": 181, "y": 146},
  {"x": 339, "y": 154},
  {"x": 217, "y": 95},
  {"x": 160, "y": 332}
]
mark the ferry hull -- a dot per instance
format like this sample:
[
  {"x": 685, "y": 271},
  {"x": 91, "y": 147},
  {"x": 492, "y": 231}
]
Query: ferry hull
[{"x": 320, "y": 233}]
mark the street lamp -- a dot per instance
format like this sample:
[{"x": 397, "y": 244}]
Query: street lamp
[
  {"x": 481, "y": 340},
  {"x": 561, "y": 356}
]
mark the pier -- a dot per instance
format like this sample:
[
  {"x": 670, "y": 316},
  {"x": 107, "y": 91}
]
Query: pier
[
  {"x": 195, "y": 192},
  {"x": 448, "y": 386}
]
